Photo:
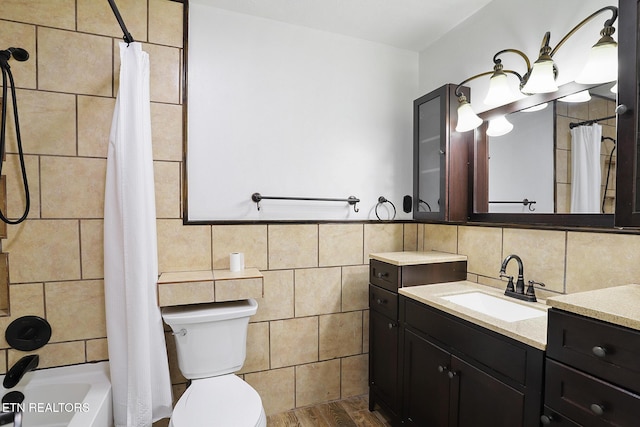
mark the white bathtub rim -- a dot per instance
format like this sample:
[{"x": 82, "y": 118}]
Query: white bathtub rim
[{"x": 98, "y": 397}]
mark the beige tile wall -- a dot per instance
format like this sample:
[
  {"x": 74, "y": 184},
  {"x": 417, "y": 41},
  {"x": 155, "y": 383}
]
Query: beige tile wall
[
  {"x": 308, "y": 342},
  {"x": 565, "y": 261}
]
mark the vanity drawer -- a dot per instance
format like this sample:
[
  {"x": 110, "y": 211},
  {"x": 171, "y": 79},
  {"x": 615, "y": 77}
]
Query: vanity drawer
[
  {"x": 588, "y": 400},
  {"x": 607, "y": 351},
  {"x": 384, "y": 275},
  {"x": 383, "y": 301},
  {"x": 392, "y": 277}
]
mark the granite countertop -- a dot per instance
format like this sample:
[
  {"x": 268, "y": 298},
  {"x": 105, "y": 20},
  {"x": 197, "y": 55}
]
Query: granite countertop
[
  {"x": 416, "y": 257},
  {"x": 531, "y": 331},
  {"x": 619, "y": 305}
]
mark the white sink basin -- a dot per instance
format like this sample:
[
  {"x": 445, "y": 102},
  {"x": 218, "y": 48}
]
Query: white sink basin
[{"x": 495, "y": 307}]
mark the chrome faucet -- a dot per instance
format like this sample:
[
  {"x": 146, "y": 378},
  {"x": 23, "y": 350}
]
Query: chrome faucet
[
  {"x": 21, "y": 367},
  {"x": 518, "y": 291}
]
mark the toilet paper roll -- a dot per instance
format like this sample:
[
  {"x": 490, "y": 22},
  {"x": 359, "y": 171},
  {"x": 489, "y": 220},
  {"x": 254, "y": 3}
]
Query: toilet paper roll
[{"x": 236, "y": 261}]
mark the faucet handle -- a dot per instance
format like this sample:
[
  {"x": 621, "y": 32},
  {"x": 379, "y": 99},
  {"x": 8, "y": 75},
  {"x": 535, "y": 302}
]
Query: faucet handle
[
  {"x": 531, "y": 283},
  {"x": 510, "y": 283},
  {"x": 530, "y": 290}
]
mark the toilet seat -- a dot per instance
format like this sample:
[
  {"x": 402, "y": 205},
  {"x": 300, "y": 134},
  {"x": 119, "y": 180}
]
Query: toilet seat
[{"x": 223, "y": 401}]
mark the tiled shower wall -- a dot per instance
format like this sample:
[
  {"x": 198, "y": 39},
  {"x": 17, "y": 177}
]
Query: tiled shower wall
[{"x": 308, "y": 342}]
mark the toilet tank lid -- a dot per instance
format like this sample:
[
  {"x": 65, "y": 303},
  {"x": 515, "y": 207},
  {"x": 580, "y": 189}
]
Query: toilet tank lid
[{"x": 217, "y": 311}]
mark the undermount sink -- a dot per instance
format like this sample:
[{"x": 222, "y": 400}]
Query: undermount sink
[{"x": 494, "y": 306}]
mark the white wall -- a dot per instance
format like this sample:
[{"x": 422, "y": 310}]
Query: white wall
[
  {"x": 290, "y": 111},
  {"x": 518, "y": 24}
]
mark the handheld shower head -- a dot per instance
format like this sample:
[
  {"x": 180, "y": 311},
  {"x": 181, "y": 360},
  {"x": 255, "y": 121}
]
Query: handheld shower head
[{"x": 19, "y": 54}]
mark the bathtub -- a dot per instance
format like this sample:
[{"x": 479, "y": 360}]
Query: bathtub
[{"x": 73, "y": 396}]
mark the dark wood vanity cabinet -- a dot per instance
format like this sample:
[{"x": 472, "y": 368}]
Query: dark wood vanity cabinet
[
  {"x": 385, "y": 357},
  {"x": 440, "y": 157},
  {"x": 456, "y": 373},
  {"x": 592, "y": 372}
]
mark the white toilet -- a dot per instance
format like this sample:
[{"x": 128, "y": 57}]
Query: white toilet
[{"x": 211, "y": 344}]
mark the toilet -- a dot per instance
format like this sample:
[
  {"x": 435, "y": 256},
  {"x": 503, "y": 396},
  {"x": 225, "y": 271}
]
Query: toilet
[{"x": 211, "y": 345}]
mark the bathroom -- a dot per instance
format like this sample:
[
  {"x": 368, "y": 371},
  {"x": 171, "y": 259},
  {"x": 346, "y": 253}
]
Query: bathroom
[{"x": 315, "y": 273}]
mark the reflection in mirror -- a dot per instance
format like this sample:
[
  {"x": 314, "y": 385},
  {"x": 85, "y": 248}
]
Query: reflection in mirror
[
  {"x": 540, "y": 166},
  {"x": 521, "y": 164}
]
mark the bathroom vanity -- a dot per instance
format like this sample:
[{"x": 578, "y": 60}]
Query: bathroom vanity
[
  {"x": 465, "y": 368},
  {"x": 389, "y": 272},
  {"x": 593, "y": 358}
]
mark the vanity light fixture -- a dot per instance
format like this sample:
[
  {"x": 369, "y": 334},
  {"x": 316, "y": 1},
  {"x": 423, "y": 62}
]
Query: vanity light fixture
[
  {"x": 467, "y": 119},
  {"x": 601, "y": 67},
  {"x": 499, "y": 126},
  {"x": 499, "y": 92}
]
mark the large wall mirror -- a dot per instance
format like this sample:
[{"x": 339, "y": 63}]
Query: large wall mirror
[
  {"x": 295, "y": 114},
  {"x": 549, "y": 168}
]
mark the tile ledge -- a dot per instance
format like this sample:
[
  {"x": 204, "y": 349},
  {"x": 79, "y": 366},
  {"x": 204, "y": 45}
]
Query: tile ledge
[{"x": 207, "y": 275}]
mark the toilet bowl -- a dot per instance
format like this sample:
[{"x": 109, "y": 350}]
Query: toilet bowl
[{"x": 211, "y": 346}]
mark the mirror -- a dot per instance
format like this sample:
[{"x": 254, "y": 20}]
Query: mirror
[
  {"x": 294, "y": 117},
  {"x": 527, "y": 175}
]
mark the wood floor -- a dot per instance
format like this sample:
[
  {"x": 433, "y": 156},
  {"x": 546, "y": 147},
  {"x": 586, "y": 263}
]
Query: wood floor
[{"x": 352, "y": 412}]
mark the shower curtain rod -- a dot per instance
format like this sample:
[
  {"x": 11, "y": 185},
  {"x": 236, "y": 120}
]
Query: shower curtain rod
[
  {"x": 590, "y": 122},
  {"x": 127, "y": 36}
]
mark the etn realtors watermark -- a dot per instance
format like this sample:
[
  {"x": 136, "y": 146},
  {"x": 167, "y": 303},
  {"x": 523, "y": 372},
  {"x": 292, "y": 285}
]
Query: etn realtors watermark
[{"x": 48, "y": 407}]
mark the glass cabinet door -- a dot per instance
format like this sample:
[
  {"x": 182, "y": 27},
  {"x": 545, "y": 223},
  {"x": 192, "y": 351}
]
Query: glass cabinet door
[
  {"x": 440, "y": 158},
  {"x": 429, "y": 152}
]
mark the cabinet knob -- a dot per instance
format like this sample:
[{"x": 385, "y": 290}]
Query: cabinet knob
[
  {"x": 597, "y": 409},
  {"x": 442, "y": 368},
  {"x": 546, "y": 419},
  {"x": 392, "y": 325},
  {"x": 599, "y": 351},
  {"x": 452, "y": 374},
  {"x": 381, "y": 275},
  {"x": 381, "y": 301}
]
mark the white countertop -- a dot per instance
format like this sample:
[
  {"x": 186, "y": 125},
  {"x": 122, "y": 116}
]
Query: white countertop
[
  {"x": 529, "y": 331},
  {"x": 416, "y": 257}
]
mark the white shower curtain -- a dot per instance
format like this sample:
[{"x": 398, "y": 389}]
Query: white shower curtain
[
  {"x": 137, "y": 353},
  {"x": 585, "y": 169}
]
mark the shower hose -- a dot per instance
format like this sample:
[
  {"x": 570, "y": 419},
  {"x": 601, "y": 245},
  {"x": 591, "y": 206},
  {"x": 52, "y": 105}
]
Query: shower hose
[{"x": 19, "y": 55}]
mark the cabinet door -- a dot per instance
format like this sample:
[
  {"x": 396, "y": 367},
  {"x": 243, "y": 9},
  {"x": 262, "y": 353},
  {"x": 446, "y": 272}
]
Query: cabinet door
[
  {"x": 426, "y": 384},
  {"x": 383, "y": 360},
  {"x": 440, "y": 157},
  {"x": 628, "y": 158},
  {"x": 480, "y": 400},
  {"x": 429, "y": 155}
]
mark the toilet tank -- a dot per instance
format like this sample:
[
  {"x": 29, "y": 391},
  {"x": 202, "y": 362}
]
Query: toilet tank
[{"x": 211, "y": 339}]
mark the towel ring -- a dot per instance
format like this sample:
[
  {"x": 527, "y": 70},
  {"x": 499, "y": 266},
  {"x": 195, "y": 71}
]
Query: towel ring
[{"x": 382, "y": 200}]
